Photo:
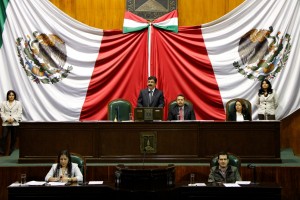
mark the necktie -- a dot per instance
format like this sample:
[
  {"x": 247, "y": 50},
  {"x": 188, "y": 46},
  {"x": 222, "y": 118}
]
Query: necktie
[
  {"x": 150, "y": 96},
  {"x": 181, "y": 116}
]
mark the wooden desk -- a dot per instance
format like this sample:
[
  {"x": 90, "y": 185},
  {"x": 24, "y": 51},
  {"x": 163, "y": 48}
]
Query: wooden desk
[
  {"x": 246, "y": 192},
  {"x": 180, "y": 192},
  {"x": 171, "y": 142}
]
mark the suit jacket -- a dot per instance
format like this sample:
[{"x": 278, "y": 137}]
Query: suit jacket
[
  {"x": 232, "y": 116},
  {"x": 267, "y": 105},
  {"x": 14, "y": 111},
  {"x": 232, "y": 175},
  {"x": 157, "y": 99},
  {"x": 189, "y": 113},
  {"x": 74, "y": 173}
]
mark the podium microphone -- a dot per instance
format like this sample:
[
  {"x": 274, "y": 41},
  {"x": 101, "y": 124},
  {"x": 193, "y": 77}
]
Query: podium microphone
[
  {"x": 144, "y": 157},
  {"x": 253, "y": 167}
]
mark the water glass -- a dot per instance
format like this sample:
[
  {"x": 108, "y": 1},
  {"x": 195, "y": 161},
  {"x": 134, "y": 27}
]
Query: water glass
[
  {"x": 192, "y": 178},
  {"x": 130, "y": 117},
  {"x": 23, "y": 179}
]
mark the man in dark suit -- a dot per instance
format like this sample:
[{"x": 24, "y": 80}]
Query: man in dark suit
[
  {"x": 181, "y": 110},
  {"x": 151, "y": 96}
]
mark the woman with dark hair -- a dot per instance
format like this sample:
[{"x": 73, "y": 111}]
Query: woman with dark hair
[
  {"x": 11, "y": 115},
  {"x": 266, "y": 101},
  {"x": 240, "y": 112},
  {"x": 64, "y": 170}
]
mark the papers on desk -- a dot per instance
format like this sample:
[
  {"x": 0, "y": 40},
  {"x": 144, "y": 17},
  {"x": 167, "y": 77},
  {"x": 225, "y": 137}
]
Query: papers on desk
[
  {"x": 95, "y": 182},
  {"x": 15, "y": 184},
  {"x": 56, "y": 183},
  {"x": 231, "y": 185},
  {"x": 30, "y": 183},
  {"x": 197, "y": 184},
  {"x": 243, "y": 182},
  {"x": 35, "y": 183}
]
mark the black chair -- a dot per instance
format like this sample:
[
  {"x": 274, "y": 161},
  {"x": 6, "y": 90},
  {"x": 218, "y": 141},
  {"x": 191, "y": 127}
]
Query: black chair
[
  {"x": 119, "y": 110},
  {"x": 234, "y": 160},
  {"x": 80, "y": 160},
  {"x": 231, "y": 103}
]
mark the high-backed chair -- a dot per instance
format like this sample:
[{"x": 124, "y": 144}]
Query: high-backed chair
[
  {"x": 231, "y": 103},
  {"x": 173, "y": 103},
  {"x": 119, "y": 110},
  {"x": 234, "y": 160},
  {"x": 80, "y": 160}
]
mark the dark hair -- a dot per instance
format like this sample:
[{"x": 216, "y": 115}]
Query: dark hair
[
  {"x": 180, "y": 95},
  {"x": 223, "y": 153},
  {"x": 243, "y": 105},
  {"x": 261, "y": 90},
  {"x": 8, "y": 93},
  {"x": 69, "y": 165},
  {"x": 152, "y": 78}
]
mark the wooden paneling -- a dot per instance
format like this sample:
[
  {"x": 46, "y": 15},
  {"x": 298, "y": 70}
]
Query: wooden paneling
[
  {"x": 290, "y": 132},
  {"x": 188, "y": 141},
  {"x": 109, "y": 15},
  {"x": 287, "y": 177}
]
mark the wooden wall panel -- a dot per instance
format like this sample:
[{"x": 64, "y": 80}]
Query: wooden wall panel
[
  {"x": 287, "y": 177},
  {"x": 109, "y": 15}
]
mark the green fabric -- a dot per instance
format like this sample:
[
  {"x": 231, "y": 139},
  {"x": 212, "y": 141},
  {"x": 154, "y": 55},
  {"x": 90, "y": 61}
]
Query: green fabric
[{"x": 3, "y": 5}]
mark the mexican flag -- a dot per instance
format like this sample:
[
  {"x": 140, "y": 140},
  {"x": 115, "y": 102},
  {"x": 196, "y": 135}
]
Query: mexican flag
[{"x": 63, "y": 70}]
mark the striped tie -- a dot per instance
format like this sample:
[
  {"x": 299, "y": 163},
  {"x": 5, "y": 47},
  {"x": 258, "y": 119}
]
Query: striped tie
[{"x": 181, "y": 113}]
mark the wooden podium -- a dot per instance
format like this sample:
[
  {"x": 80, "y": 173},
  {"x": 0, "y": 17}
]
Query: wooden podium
[
  {"x": 143, "y": 179},
  {"x": 142, "y": 114}
]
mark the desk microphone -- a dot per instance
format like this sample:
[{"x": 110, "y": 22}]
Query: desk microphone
[
  {"x": 253, "y": 167},
  {"x": 144, "y": 157}
]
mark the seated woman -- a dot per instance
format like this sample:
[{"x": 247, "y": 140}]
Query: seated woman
[
  {"x": 239, "y": 112},
  {"x": 64, "y": 170}
]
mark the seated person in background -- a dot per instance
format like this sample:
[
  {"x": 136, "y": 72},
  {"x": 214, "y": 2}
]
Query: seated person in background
[
  {"x": 64, "y": 170},
  {"x": 239, "y": 112},
  {"x": 223, "y": 172},
  {"x": 181, "y": 111}
]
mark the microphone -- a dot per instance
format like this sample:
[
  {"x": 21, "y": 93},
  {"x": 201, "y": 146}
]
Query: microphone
[
  {"x": 253, "y": 167},
  {"x": 117, "y": 113},
  {"x": 144, "y": 157}
]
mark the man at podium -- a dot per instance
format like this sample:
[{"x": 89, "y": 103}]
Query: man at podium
[{"x": 151, "y": 96}]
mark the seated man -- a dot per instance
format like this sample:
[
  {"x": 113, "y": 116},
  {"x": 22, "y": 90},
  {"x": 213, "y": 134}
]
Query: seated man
[
  {"x": 224, "y": 173},
  {"x": 181, "y": 111}
]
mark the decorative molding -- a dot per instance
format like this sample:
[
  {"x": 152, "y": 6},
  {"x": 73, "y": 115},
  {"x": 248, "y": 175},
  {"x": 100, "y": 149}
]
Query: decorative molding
[
  {"x": 148, "y": 142},
  {"x": 151, "y": 9}
]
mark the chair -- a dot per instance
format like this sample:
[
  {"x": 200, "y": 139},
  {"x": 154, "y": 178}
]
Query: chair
[
  {"x": 234, "y": 160},
  {"x": 231, "y": 103},
  {"x": 80, "y": 160},
  {"x": 119, "y": 109},
  {"x": 173, "y": 103}
]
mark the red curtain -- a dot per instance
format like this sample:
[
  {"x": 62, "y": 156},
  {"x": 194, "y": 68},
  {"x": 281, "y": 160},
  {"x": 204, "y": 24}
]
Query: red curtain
[
  {"x": 120, "y": 72},
  {"x": 178, "y": 60},
  {"x": 181, "y": 63}
]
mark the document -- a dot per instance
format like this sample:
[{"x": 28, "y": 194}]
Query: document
[
  {"x": 95, "y": 182},
  {"x": 197, "y": 184},
  {"x": 56, "y": 183},
  {"x": 35, "y": 183},
  {"x": 243, "y": 182},
  {"x": 231, "y": 185}
]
